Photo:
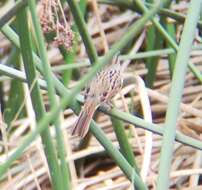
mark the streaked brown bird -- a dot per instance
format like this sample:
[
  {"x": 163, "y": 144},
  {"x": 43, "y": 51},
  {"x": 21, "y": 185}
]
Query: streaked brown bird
[{"x": 101, "y": 90}]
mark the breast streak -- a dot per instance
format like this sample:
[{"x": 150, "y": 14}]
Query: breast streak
[
  {"x": 107, "y": 81},
  {"x": 115, "y": 82}
]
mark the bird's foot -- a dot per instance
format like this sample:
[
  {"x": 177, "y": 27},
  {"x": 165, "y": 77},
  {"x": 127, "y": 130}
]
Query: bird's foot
[{"x": 107, "y": 105}]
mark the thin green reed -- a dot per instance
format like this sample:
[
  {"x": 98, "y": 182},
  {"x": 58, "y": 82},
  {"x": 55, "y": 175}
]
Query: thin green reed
[
  {"x": 176, "y": 91},
  {"x": 170, "y": 41},
  {"x": 80, "y": 23},
  {"x": 47, "y": 74},
  {"x": 124, "y": 144},
  {"x": 162, "y": 11},
  {"x": 26, "y": 50},
  {"x": 70, "y": 56}
]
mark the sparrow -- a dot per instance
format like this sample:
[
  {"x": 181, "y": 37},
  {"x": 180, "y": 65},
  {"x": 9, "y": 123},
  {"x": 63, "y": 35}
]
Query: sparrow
[{"x": 106, "y": 84}]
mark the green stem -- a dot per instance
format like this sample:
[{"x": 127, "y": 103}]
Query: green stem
[
  {"x": 68, "y": 60},
  {"x": 80, "y": 23},
  {"x": 37, "y": 103},
  {"x": 176, "y": 93},
  {"x": 169, "y": 39},
  {"x": 118, "y": 157},
  {"x": 15, "y": 94},
  {"x": 158, "y": 25},
  {"x": 69, "y": 57},
  {"x": 51, "y": 94},
  {"x": 172, "y": 57},
  {"x": 157, "y": 129},
  {"x": 71, "y": 66},
  {"x": 162, "y": 11},
  {"x": 125, "y": 146},
  {"x": 153, "y": 53},
  {"x": 151, "y": 62}
]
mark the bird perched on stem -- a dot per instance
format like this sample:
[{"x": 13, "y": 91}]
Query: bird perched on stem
[{"x": 101, "y": 90}]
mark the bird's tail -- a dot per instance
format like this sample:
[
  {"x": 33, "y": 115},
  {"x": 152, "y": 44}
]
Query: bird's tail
[{"x": 82, "y": 124}]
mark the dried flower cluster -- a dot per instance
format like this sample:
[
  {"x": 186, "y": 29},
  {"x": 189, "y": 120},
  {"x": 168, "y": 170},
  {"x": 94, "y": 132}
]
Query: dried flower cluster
[{"x": 52, "y": 19}]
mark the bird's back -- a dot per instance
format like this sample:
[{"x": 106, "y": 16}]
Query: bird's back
[{"x": 107, "y": 83}]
